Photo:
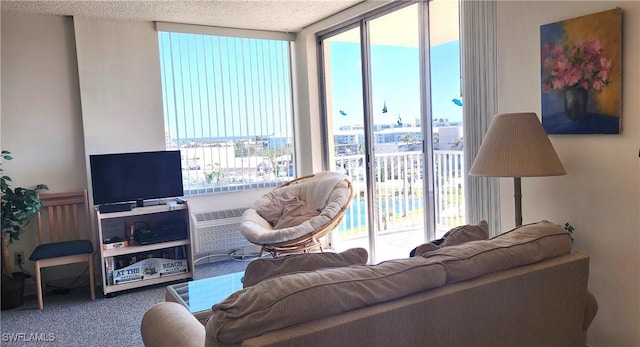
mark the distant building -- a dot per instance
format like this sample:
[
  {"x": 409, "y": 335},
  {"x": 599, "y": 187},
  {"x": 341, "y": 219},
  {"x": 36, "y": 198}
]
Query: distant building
[
  {"x": 449, "y": 137},
  {"x": 275, "y": 142},
  {"x": 349, "y": 139},
  {"x": 395, "y": 135}
]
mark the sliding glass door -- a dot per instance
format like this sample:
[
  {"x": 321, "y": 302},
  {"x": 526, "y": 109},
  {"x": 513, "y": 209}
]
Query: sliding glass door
[
  {"x": 372, "y": 73},
  {"x": 377, "y": 108}
]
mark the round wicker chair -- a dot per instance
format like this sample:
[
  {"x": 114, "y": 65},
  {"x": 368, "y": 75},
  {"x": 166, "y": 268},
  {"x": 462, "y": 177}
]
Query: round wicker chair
[{"x": 294, "y": 216}]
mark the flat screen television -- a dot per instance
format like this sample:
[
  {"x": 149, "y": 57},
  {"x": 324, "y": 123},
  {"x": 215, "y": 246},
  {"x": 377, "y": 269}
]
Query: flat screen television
[{"x": 127, "y": 177}]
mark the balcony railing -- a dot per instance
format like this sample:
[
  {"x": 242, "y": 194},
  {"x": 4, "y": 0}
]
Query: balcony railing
[{"x": 399, "y": 193}]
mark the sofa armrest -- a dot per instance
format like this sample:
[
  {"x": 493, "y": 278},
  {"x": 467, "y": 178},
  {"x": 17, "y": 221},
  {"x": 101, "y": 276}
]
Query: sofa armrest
[
  {"x": 590, "y": 310},
  {"x": 170, "y": 324}
]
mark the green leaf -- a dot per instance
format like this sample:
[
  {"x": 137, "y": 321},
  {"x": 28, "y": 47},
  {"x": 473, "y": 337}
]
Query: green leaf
[{"x": 19, "y": 205}]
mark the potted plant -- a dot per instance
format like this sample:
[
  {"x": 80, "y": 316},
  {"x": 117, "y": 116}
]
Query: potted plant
[{"x": 18, "y": 206}]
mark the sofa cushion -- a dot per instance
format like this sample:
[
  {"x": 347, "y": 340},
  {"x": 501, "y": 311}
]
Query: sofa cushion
[
  {"x": 524, "y": 245},
  {"x": 456, "y": 236},
  {"x": 295, "y": 298},
  {"x": 261, "y": 269}
]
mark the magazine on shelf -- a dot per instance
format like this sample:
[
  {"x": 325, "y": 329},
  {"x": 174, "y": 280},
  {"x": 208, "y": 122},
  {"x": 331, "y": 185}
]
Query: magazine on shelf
[
  {"x": 146, "y": 265},
  {"x": 108, "y": 267},
  {"x": 150, "y": 268}
]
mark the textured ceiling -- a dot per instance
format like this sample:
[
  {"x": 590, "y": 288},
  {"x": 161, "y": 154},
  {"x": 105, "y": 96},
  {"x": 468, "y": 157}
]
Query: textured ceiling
[{"x": 273, "y": 15}]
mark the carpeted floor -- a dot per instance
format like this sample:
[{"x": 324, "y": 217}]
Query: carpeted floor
[{"x": 72, "y": 319}]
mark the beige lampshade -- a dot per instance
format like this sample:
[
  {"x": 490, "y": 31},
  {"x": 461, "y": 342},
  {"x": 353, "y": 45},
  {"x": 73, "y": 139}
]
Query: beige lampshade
[{"x": 516, "y": 145}]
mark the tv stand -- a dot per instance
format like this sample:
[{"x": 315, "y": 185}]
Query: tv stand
[
  {"x": 143, "y": 203},
  {"x": 120, "y": 207},
  {"x": 126, "y": 264}
]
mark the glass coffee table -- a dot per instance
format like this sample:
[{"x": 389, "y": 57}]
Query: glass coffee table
[{"x": 199, "y": 296}]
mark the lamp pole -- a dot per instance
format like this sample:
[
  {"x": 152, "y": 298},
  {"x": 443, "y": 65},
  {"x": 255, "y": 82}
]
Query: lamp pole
[{"x": 517, "y": 195}]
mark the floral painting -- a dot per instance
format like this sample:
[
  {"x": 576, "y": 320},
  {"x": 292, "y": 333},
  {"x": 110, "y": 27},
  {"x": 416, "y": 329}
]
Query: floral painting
[{"x": 581, "y": 74}]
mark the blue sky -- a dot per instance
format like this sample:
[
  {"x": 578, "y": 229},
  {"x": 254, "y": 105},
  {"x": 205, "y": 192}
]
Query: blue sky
[{"x": 395, "y": 82}]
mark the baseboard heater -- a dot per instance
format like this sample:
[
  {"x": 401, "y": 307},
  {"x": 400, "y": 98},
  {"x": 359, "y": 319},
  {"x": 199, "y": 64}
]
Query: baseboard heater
[{"x": 217, "y": 232}]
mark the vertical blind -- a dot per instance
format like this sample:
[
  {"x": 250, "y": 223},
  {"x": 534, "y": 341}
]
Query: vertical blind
[
  {"x": 479, "y": 89},
  {"x": 228, "y": 108}
]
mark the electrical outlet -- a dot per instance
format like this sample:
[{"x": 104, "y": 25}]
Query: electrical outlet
[{"x": 18, "y": 258}]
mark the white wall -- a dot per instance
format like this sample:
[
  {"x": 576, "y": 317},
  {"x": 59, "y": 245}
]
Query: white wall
[
  {"x": 600, "y": 195},
  {"x": 41, "y": 104},
  {"x": 41, "y": 117},
  {"x": 120, "y": 87}
]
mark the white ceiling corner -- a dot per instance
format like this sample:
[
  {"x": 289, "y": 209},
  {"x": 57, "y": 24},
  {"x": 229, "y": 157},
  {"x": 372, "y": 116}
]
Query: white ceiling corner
[{"x": 272, "y": 15}]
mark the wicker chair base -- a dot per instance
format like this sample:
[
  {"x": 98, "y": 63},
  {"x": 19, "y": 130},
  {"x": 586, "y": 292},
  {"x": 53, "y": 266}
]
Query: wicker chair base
[{"x": 276, "y": 250}]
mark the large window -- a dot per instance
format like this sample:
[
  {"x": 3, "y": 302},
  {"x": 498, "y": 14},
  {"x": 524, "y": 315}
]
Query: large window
[{"x": 228, "y": 109}]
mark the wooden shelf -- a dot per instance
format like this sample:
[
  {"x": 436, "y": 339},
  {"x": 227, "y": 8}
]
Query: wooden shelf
[
  {"x": 117, "y": 224},
  {"x": 144, "y": 248},
  {"x": 132, "y": 285},
  {"x": 137, "y": 211}
]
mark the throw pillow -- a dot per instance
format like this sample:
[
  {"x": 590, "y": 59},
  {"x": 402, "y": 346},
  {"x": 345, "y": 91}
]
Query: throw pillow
[
  {"x": 466, "y": 233},
  {"x": 424, "y": 248},
  {"x": 524, "y": 245},
  {"x": 456, "y": 236},
  {"x": 262, "y": 269}
]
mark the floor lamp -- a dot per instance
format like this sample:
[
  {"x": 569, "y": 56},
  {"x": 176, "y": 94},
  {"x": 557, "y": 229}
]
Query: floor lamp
[{"x": 516, "y": 145}]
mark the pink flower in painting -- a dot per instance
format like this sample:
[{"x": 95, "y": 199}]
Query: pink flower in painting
[{"x": 580, "y": 65}]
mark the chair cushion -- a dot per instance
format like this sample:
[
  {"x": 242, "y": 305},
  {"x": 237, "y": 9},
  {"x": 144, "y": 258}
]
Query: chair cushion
[
  {"x": 323, "y": 189},
  {"x": 262, "y": 269},
  {"x": 293, "y": 214},
  {"x": 271, "y": 205},
  {"x": 61, "y": 249},
  {"x": 299, "y": 297},
  {"x": 326, "y": 193},
  {"x": 314, "y": 193}
]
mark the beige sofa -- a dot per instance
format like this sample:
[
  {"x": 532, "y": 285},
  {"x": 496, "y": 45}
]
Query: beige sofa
[{"x": 522, "y": 288}]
